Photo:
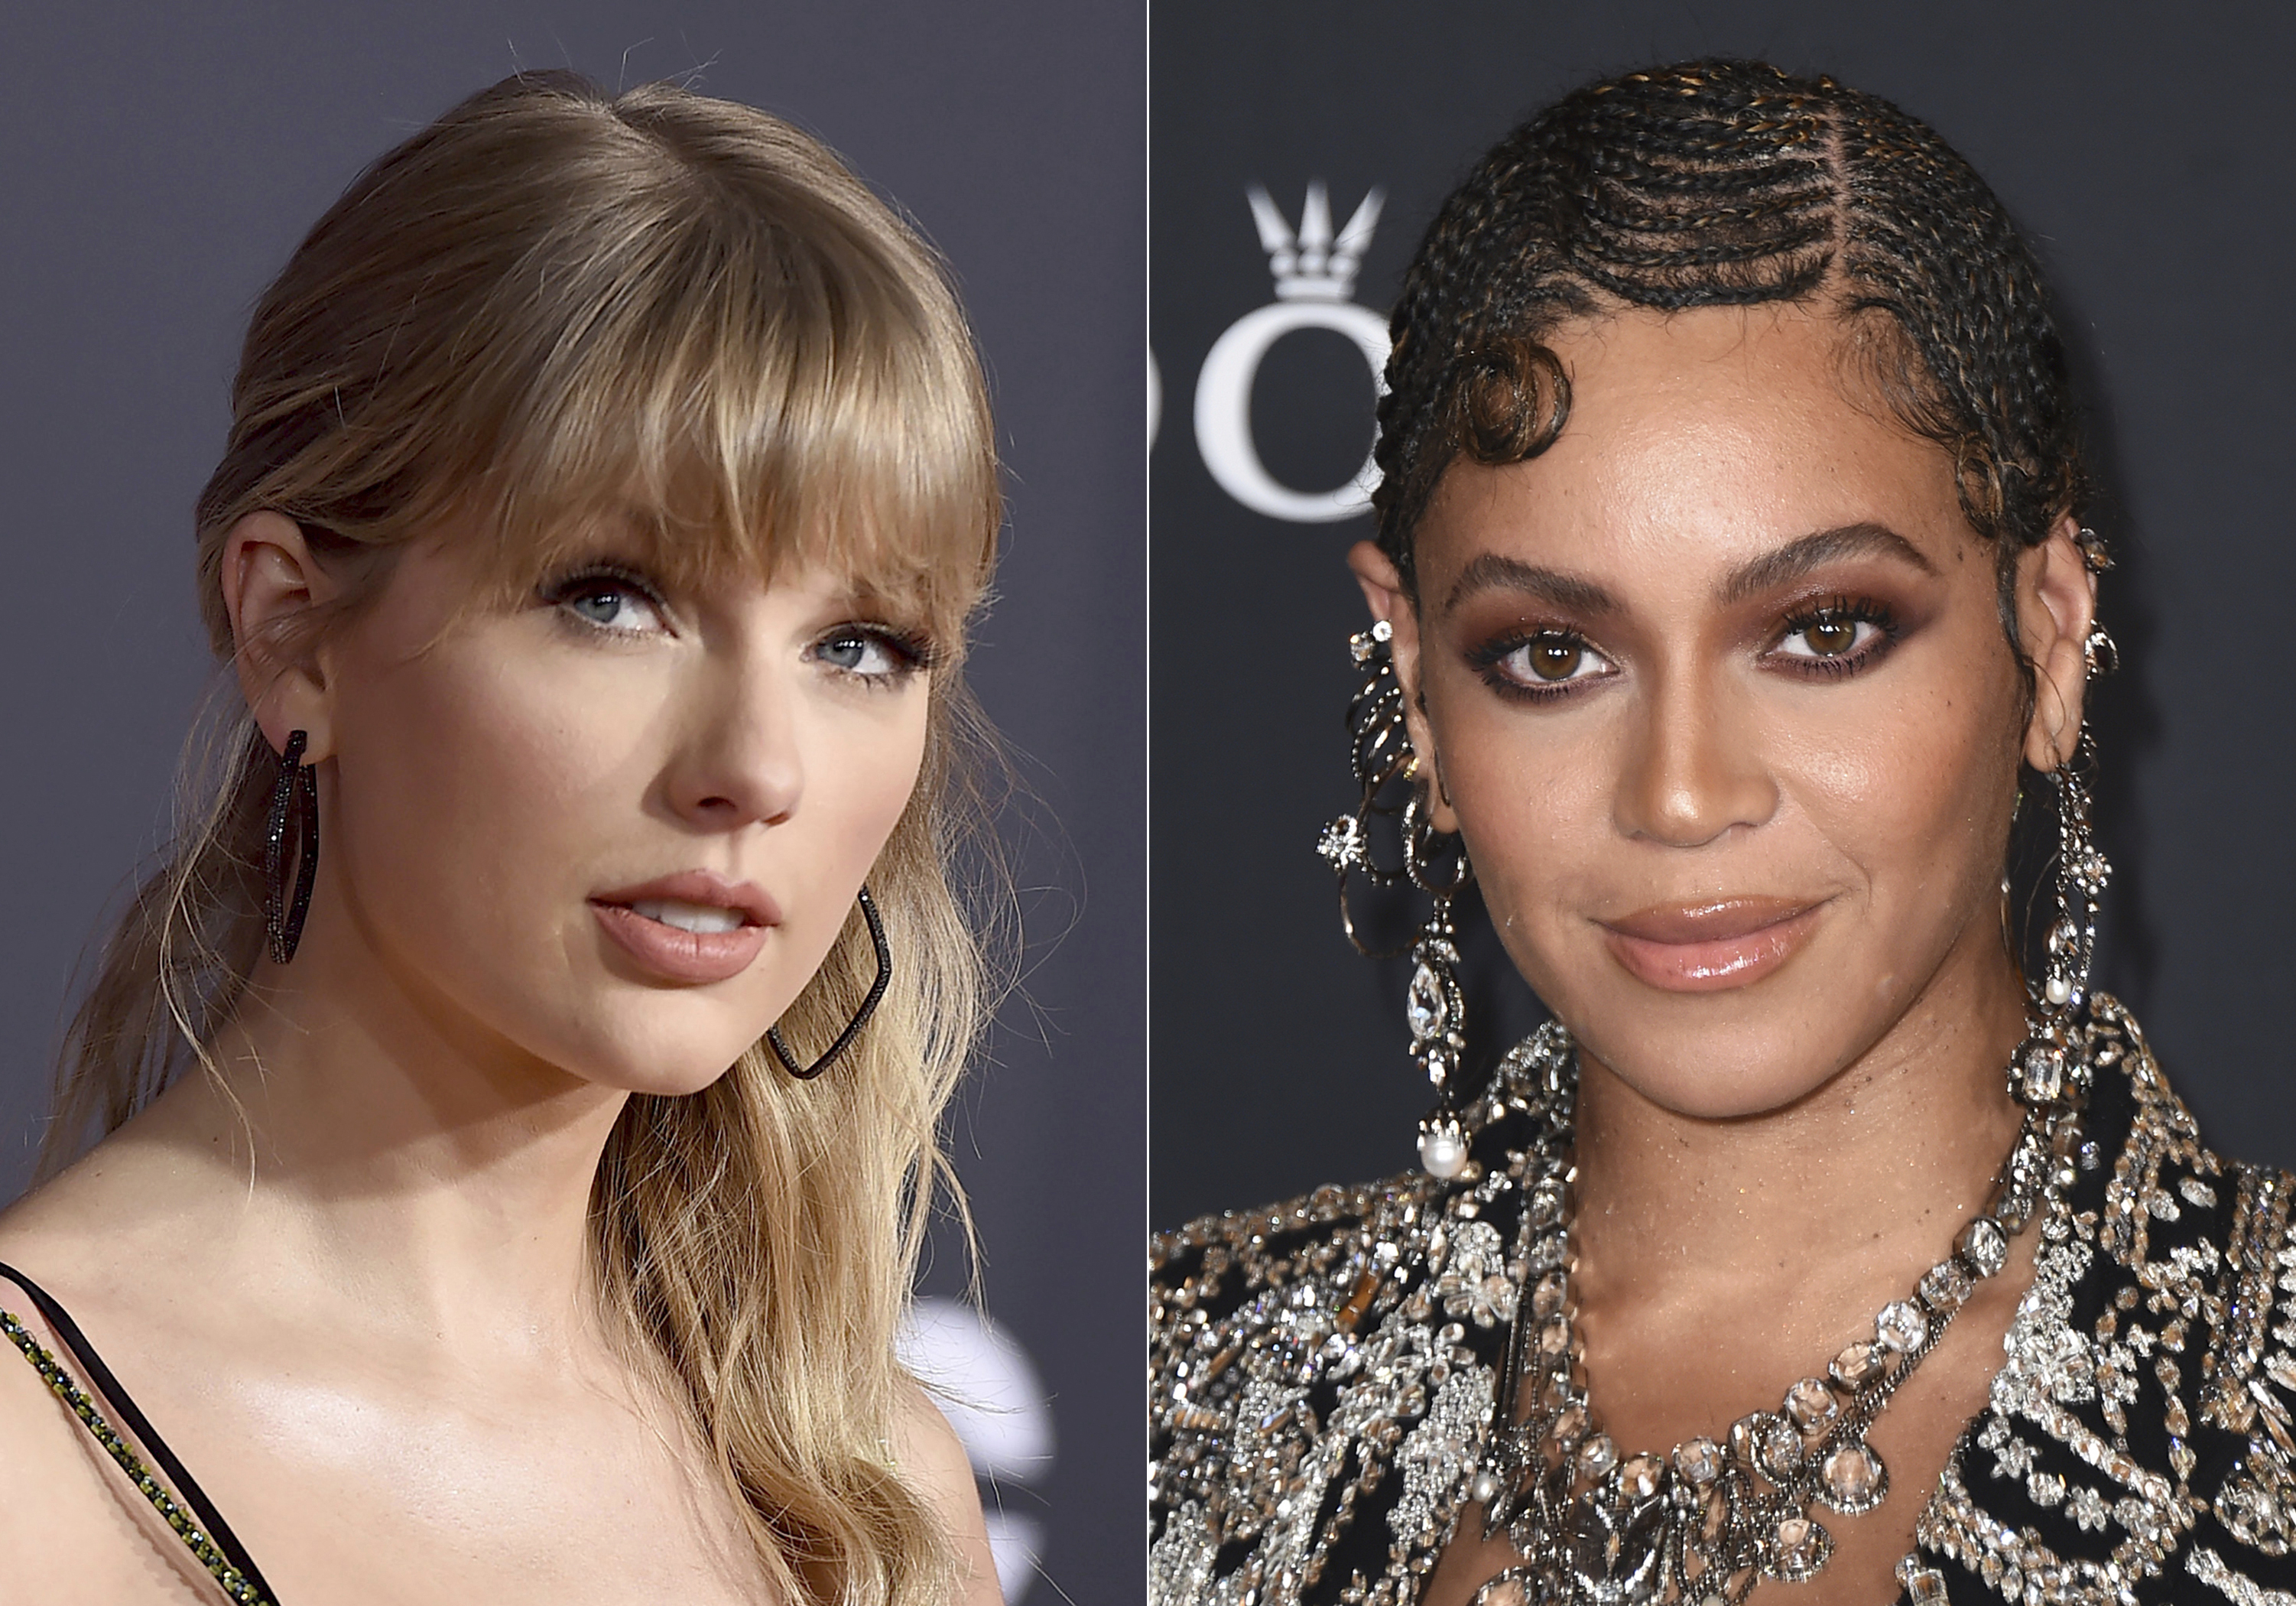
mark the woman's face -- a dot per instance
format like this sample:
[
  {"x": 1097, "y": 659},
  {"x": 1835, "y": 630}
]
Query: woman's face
[
  {"x": 614, "y": 827},
  {"x": 1717, "y": 690}
]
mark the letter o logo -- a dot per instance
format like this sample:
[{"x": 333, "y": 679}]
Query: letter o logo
[{"x": 1224, "y": 407}]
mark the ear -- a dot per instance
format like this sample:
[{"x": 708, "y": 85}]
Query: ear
[
  {"x": 1382, "y": 589},
  {"x": 2056, "y": 608},
  {"x": 272, "y": 589}
]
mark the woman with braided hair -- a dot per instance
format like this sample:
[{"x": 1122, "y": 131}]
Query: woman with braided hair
[{"x": 1835, "y": 1242}]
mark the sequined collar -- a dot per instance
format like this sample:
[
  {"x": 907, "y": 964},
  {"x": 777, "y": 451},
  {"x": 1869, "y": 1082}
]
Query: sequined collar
[{"x": 1324, "y": 1374}]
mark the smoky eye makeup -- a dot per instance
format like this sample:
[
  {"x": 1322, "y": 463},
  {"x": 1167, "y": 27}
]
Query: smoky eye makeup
[
  {"x": 1833, "y": 636},
  {"x": 1538, "y": 663},
  {"x": 1822, "y": 636}
]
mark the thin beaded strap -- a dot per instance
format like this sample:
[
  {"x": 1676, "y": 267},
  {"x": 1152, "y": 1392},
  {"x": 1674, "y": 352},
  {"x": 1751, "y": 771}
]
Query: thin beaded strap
[{"x": 202, "y": 1530}]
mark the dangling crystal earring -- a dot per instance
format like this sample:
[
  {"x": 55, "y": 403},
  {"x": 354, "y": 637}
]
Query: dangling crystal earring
[
  {"x": 2046, "y": 1064},
  {"x": 1379, "y": 751},
  {"x": 1434, "y": 1007},
  {"x": 2081, "y": 874},
  {"x": 296, "y": 793}
]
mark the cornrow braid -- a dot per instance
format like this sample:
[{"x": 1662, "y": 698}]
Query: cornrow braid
[{"x": 1725, "y": 183}]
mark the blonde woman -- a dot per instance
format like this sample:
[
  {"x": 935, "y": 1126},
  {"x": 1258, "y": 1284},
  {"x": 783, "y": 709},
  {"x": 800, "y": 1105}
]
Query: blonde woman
[{"x": 513, "y": 1100}]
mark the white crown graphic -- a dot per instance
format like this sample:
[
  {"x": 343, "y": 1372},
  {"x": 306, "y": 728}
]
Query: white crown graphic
[{"x": 1312, "y": 266}]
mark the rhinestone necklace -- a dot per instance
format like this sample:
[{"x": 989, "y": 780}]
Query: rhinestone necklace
[{"x": 1707, "y": 1523}]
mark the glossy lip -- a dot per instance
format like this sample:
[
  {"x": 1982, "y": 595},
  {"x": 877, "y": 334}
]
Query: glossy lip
[
  {"x": 1709, "y": 947},
  {"x": 690, "y": 957}
]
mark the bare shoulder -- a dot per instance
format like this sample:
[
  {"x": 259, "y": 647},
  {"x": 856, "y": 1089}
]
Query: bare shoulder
[
  {"x": 929, "y": 1452},
  {"x": 67, "y": 1530},
  {"x": 72, "y": 1528},
  {"x": 38, "y": 1460},
  {"x": 97, "y": 1219}
]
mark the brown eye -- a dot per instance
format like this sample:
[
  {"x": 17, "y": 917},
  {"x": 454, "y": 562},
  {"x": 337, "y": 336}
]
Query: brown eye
[
  {"x": 1828, "y": 636},
  {"x": 1554, "y": 657},
  {"x": 1543, "y": 662},
  {"x": 1549, "y": 660}
]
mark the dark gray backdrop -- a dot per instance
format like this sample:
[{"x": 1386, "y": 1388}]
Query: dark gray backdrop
[
  {"x": 161, "y": 163},
  {"x": 2149, "y": 157}
]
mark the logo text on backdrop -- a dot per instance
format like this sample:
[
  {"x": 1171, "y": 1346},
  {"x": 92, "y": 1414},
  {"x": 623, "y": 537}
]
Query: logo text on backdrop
[{"x": 1315, "y": 271}]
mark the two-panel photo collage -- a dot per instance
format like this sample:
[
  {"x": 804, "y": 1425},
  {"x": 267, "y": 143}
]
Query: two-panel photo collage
[{"x": 1507, "y": 783}]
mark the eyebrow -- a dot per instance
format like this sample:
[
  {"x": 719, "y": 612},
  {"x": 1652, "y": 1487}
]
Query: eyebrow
[
  {"x": 1797, "y": 558},
  {"x": 1491, "y": 572}
]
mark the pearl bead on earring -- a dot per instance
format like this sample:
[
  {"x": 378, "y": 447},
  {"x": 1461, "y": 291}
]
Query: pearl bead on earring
[{"x": 1442, "y": 1149}]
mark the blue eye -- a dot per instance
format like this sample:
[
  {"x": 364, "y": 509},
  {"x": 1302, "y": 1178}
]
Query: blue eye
[
  {"x": 603, "y": 605},
  {"x": 608, "y": 600},
  {"x": 857, "y": 653},
  {"x": 876, "y": 655}
]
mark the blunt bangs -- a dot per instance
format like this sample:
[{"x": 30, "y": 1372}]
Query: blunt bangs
[
  {"x": 754, "y": 398},
  {"x": 689, "y": 319}
]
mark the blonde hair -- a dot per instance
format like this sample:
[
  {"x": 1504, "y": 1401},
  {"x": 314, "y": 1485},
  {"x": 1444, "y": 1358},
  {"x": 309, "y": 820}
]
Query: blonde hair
[{"x": 554, "y": 305}]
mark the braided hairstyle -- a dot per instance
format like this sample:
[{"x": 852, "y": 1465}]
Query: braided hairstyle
[{"x": 1726, "y": 183}]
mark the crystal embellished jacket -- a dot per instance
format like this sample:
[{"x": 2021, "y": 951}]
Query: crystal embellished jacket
[{"x": 1325, "y": 1373}]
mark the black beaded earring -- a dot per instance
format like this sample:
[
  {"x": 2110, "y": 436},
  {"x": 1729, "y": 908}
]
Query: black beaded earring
[
  {"x": 296, "y": 793},
  {"x": 860, "y": 1016}
]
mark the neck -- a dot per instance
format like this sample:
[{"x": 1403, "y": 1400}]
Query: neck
[
  {"x": 381, "y": 1147},
  {"x": 1864, "y": 1181}
]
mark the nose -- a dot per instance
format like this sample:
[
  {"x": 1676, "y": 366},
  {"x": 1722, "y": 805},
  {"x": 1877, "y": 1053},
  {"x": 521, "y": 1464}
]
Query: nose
[
  {"x": 1691, "y": 772},
  {"x": 738, "y": 759}
]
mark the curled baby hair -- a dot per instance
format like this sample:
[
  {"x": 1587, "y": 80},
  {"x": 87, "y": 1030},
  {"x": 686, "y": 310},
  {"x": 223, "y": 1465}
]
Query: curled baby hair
[
  {"x": 1729, "y": 182},
  {"x": 1511, "y": 400},
  {"x": 553, "y": 305}
]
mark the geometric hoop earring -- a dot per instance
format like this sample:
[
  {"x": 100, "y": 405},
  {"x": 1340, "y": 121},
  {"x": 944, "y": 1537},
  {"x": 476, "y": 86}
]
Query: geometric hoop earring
[
  {"x": 294, "y": 797},
  {"x": 860, "y": 1016}
]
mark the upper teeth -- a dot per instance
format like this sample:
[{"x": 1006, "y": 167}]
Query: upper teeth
[{"x": 688, "y": 917}]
